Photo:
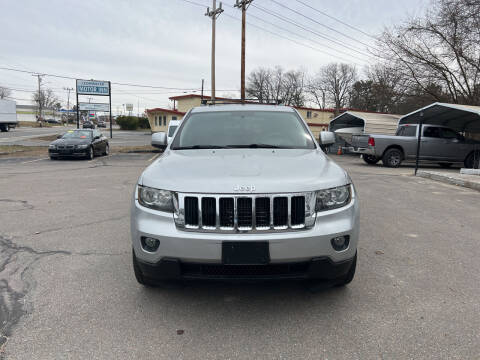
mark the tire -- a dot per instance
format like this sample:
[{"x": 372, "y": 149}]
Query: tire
[
  {"x": 53, "y": 158},
  {"x": 392, "y": 158},
  {"x": 347, "y": 279},
  {"x": 473, "y": 161},
  {"x": 138, "y": 273},
  {"x": 107, "y": 150},
  {"x": 4, "y": 128},
  {"x": 91, "y": 153},
  {"x": 445, "y": 165},
  {"x": 370, "y": 159}
]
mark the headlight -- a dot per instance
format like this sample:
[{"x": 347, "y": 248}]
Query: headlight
[
  {"x": 155, "y": 199},
  {"x": 333, "y": 198},
  {"x": 52, "y": 146},
  {"x": 81, "y": 147}
]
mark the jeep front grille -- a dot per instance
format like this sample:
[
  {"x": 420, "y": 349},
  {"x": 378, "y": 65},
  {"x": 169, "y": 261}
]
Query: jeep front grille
[{"x": 244, "y": 213}]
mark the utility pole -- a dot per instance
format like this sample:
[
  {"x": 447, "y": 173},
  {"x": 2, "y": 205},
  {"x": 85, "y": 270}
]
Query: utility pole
[
  {"x": 201, "y": 99},
  {"x": 214, "y": 14},
  {"x": 68, "y": 102},
  {"x": 39, "y": 76},
  {"x": 243, "y": 4}
]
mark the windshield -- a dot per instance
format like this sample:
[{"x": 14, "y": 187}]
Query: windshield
[
  {"x": 171, "y": 130},
  {"x": 80, "y": 134},
  {"x": 232, "y": 129}
]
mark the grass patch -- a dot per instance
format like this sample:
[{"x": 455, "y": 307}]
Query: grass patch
[
  {"x": 34, "y": 124},
  {"x": 19, "y": 150},
  {"x": 134, "y": 149},
  {"x": 45, "y": 138}
]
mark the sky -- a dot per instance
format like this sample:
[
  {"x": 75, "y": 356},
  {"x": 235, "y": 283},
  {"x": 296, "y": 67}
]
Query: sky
[{"x": 165, "y": 45}]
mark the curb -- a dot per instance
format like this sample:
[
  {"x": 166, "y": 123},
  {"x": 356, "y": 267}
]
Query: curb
[{"x": 450, "y": 180}]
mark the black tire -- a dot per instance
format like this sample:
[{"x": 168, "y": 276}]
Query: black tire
[
  {"x": 90, "y": 153},
  {"x": 392, "y": 158},
  {"x": 473, "y": 161},
  {"x": 445, "y": 165},
  {"x": 107, "y": 150},
  {"x": 347, "y": 279},
  {"x": 53, "y": 158},
  {"x": 370, "y": 159},
  {"x": 4, "y": 128},
  {"x": 138, "y": 273}
]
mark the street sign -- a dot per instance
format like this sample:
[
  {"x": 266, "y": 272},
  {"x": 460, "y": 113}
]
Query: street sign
[
  {"x": 93, "y": 87},
  {"x": 94, "y": 107}
]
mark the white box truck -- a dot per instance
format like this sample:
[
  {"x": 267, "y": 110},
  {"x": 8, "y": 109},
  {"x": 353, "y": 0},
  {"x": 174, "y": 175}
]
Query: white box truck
[{"x": 8, "y": 115}]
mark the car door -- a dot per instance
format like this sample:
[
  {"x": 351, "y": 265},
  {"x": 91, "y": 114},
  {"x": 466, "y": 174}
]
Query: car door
[
  {"x": 454, "y": 148},
  {"x": 97, "y": 141},
  {"x": 432, "y": 143}
]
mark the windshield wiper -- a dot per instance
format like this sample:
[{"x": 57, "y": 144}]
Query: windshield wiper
[
  {"x": 253, "y": 146},
  {"x": 194, "y": 147}
]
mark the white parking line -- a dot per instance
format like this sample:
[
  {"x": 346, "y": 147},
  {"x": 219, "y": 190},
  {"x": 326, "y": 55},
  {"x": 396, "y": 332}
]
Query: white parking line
[{"x": 31, "y": 161}]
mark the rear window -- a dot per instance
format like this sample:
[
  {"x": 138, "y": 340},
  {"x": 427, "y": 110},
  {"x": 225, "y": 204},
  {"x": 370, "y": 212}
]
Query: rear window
[{"x": 410, "y": 130}]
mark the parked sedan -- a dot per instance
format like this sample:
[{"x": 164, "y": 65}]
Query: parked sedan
[
  {"x": 102, "y": 124},
  {"x": 79, "y": 143}
]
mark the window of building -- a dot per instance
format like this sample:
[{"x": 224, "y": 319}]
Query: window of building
[
  {"x": 164, "y": 120},
  {"x": 156, "y": 120},
  {"x": 174, "y": 118},
  {"x": 309, "y": 114}
]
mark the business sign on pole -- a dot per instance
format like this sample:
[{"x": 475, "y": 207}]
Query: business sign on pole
[
  {"x": 93, "y": 107},
  {"x": 129, "y": 107},
  {"x": 93, "y": 87}
]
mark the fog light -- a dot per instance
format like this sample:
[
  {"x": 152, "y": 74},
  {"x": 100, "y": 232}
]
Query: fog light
[
  {"x": 150, "y": 244},
  {"x": 340, "y": 243}
]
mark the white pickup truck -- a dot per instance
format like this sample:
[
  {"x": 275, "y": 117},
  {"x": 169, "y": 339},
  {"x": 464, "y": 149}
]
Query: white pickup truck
[{"x": 8, "y": 115}]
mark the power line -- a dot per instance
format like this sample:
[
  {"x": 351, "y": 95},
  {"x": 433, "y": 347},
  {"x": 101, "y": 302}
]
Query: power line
[
  {"x": 323, "y": 36},
  {"x": 303, "y": 37},
  {"x": 296, "y": 34},
  {"x": 336, "y": 19},
  {"x": 319, "y": 23}
]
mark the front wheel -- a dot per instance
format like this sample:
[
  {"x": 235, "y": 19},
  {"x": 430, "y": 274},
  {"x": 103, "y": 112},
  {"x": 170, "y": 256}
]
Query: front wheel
[
  {"x": 392, "y": 158},
  {"x": 107, "y": 150},
  {"x": 90, "y": 153},
  {"x": 370, "y": 159},
  {"x": 4, "y": 128}
]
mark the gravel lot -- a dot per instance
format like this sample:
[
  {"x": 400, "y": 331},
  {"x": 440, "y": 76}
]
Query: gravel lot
[{"x": 67, "y": 288}]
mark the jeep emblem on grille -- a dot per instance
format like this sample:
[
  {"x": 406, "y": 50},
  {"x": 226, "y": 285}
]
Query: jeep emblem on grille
[{"x": 244, "y": 188}]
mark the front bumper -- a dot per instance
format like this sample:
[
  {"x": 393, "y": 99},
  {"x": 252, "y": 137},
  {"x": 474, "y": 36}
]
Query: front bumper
[
  {"x": 67, "y": 153},
  {"x": 173, "y": 269},
  {"x": 298, "y": 254}
]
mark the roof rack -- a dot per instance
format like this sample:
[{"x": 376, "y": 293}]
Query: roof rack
[{"x": 210, "y": 102}]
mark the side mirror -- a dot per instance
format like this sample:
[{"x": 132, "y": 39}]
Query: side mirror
[
  {"x": 326, "y": 138},
  {"x": 59, "y": 136},
  {"x": 159, "y": 140}
]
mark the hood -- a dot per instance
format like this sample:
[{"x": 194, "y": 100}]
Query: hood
[
  {"x": 222, "y": 170},
  {"x": 71, "y": 141}
]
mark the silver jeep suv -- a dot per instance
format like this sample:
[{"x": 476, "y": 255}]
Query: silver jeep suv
[{"x": 244, "y": 192}]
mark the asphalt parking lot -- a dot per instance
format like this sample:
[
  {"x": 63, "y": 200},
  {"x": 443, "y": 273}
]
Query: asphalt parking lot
[{"x": 67, "y": 288}]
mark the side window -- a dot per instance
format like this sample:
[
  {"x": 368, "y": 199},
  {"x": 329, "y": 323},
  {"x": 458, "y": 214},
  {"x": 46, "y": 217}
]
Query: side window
[
  {"x": 449, "y": 134},
  {"x": 432, "y": 132},
  {"x": 410, "y": 131},
  {"x": 400, "y": 131}
]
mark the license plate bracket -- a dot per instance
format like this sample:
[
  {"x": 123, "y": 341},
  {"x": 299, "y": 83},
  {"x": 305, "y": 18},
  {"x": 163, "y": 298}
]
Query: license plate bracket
[{"x": 245, "y": 252}]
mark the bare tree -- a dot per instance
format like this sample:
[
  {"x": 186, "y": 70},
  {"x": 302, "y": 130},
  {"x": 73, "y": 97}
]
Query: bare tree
[
  {"x": 4, "y": 92},
  {"x": 316, "y": 92},
  {"x": 277, "y": 85},
  {"x": 440, "y": 49},
  {"x": 337, "y": 80},
  {"x": 45, "y": 99}
]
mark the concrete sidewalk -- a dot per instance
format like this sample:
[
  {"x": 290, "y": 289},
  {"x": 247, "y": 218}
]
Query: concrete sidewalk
[{"x": 454, "y": 178}]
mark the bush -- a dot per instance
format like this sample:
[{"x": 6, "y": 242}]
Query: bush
[
  {"x": 143, "y": 123},
  {"x": 132, "y": 122}
]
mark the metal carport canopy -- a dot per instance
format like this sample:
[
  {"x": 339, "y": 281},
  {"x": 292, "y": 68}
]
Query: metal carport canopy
[
  {"x": 462, "y": 118},
  {"x": 372, "y": 123}
]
